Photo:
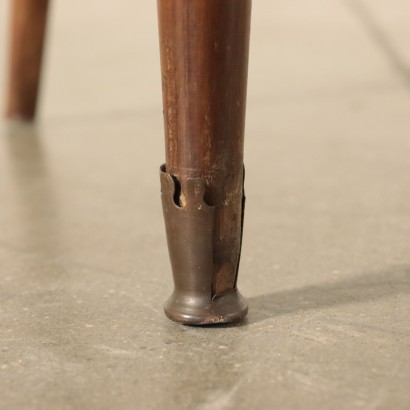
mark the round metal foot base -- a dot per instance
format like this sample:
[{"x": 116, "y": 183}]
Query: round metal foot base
[{"x": 198, "y": 310}]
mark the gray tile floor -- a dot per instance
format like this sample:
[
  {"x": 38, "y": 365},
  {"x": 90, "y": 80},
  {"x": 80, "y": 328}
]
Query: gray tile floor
[{"x": 326, "y": 260}]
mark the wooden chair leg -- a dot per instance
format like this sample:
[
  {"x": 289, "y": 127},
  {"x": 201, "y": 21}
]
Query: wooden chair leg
[
  {"x": 204, "y": 61},
  {"x": 28, "y": 23}
]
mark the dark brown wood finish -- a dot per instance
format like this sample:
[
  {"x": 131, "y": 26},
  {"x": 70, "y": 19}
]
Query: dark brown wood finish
[
  {"x": 28, "y": 22},
  {"x": 204, "y": 61}
]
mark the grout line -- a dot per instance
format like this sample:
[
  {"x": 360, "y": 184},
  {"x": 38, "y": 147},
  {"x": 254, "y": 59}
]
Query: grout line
[
  {"x": 374, "y": 88},
  {"x": 119, "y": 115},
  {"x": 254, "y": 102},
  {"x": 379, "y": 36}
]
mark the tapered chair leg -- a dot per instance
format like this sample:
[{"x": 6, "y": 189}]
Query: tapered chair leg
[
  {"x": 27, "y": 31},
  {"x": 204, "y": 60}
]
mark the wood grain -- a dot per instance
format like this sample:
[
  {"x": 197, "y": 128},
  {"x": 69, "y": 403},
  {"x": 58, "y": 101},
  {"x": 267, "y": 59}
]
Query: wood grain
[{"x": 204, "y": 60}]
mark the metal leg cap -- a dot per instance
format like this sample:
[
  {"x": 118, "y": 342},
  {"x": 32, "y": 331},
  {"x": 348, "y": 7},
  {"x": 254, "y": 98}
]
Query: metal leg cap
[{"x": 199, "y": 310}]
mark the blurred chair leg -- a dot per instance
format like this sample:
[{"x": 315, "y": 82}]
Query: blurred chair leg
[{"x": 27, "y": 31}]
